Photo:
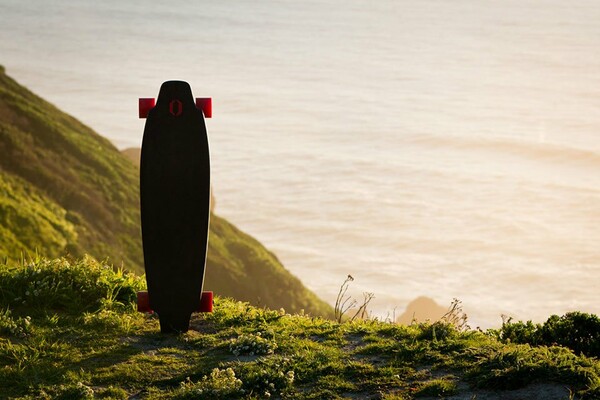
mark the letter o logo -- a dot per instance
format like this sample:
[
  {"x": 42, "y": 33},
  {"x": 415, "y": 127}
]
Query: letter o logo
[{"x": 175, "y": 108}]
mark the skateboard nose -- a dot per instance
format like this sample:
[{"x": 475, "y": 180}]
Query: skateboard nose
[{"x": 172, "y": 90}]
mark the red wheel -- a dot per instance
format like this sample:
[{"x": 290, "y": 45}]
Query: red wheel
[
  {"x": 205, "y": 104},
  {"x": 143, "y": 302},
  {"x": 206, "y": 302},
  {"x": 145, "y": 105}
]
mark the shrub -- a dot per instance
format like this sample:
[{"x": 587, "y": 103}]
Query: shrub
[
  {"x": 269, "y": 376},
  {"x": 439, "y": 330},
  {"x": 518, "y": 332},
  {"x": 577, "y": 331},
  {"x": 249, "y": 344},
  {"x": 220, "y": 384},
  {"x": 83, "y": 285},
  {"x": 18, "y": 326}
]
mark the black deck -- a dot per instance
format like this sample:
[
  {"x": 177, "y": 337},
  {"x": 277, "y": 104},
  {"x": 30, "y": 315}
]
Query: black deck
[{"x": 175, "y": 205}]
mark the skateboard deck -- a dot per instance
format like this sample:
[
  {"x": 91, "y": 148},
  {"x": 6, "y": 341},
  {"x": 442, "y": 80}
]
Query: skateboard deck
[{"x": 175, "y": 205}]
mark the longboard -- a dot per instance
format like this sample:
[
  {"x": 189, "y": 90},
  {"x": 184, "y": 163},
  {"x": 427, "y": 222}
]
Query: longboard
[{"x": 175, "y": 205}]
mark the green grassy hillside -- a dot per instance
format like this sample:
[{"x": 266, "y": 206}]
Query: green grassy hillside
[
  {"x": 68, "y": 330},
  {"x": 30, "y": 220},
  {"x": 67, "y": 191},
  {"x": 66, "y": 165}
]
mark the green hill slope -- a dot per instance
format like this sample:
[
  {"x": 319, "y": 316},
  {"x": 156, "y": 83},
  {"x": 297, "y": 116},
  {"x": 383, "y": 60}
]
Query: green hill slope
[
  {"x": 69, "y": 331},
  {"x": 65, "y": 190},
  {"x": 30, "y": 220},
  {"x": 71, "y": 167}
]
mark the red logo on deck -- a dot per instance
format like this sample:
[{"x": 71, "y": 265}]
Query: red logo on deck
[{"x": 175, "y": 108}]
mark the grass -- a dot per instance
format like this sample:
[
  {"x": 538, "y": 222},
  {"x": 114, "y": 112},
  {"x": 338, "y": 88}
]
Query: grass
[{"x": 69, "y": 330}]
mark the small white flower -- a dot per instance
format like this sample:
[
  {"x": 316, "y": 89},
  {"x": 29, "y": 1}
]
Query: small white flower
[{"x": 290, "y": 376}]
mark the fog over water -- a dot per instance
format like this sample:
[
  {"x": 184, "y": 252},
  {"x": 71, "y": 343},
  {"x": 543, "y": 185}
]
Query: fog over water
[{"x": 444, "y": 149}]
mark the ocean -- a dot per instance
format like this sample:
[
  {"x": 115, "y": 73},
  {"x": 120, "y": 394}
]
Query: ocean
[{"x": 430, "y": 148}]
